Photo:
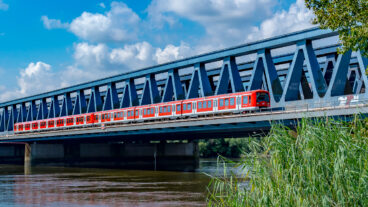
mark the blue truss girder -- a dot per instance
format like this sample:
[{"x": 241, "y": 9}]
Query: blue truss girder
[
  {"x": 42, "y": 110},
  {"x": 54, "y": 108},
  {"x": 80, "y": 104},
  {"x": 66, "y": 106},
  {"x": 32, "y": 111},
  {"x": 303, "y": 79},
  {"x": 264, "y": 67},
  {"x": 22, "y": 115},
  {"x": 112, "y": 98},
  {"x": 229, "y": 75},
  {"x": 4, "y": 120},
  {"x": 150, "y": 93},
  {"x": 173, "y": 87},
  {"x": 130, "y": 97},
  {"x": 95, "y": 102},
  {"x": 199, "y": 82}
]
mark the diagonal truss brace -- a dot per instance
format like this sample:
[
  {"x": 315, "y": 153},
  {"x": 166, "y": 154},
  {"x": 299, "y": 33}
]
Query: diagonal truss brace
[
  {"x": 304, "y": 52},
  {"x": 173, "y": 88},
  {"x": 150, "y": 93},
  {"x": 264, "y": 67},
  {"x": 199, "y": 81}
]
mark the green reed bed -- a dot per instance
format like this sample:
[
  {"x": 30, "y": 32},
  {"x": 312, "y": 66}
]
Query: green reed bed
[{"x": 322, "y": 163}]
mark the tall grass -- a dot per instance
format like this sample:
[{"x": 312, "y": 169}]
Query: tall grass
[{"x": 322, "y": 163}]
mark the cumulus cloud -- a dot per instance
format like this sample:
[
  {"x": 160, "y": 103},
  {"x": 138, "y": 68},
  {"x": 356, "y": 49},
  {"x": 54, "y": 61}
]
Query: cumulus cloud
[
  {"x": 226, "y": 22},
  {"x": 53, "y": 23},
  {"x": 3, "y": 6},
  {"x": 120, "y": 24},
  {"x": 171, "y": 53},
  {"x": 298, "y": 17}
]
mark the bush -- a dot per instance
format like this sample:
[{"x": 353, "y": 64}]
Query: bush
[
  {"x": 229, "y": 147},
  {"x": 323, "y": 163}
]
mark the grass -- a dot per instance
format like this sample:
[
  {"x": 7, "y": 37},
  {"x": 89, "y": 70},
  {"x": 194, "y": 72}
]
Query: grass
[{"x": 322, "y": 163}]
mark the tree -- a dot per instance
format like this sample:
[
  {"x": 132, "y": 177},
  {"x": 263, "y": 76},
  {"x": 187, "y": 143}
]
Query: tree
[{"x": 348, "y": 17}]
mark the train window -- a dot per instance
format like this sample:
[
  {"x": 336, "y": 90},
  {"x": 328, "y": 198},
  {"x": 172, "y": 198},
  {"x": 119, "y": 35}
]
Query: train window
[
  {"x": 152, "y": 112},
  {"x": 88, "y": 118},
  {"x": 136, "y": 113},
  {"x": 199, "y": 105},
  {"x": 145, "y": 111},
  {"x": 221, "y": 102},
  {"x": 226, "y": 102},
  {"x": 164, "y": 109},
  {"x": 184, "y": 107},
  {"x": 189, "y": 106},
  {"x": 204, "y": 104},
  {"x": 209, "y": 104},
  {"x": 178, "y": 107},
  {"x": 169, "y": 109},
  {"x": 232, "y": 101},
  {"x": 245, "y": 99}
]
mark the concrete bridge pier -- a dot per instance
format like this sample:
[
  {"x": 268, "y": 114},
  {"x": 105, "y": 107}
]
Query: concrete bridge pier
[{"x": 144, "y": 156}]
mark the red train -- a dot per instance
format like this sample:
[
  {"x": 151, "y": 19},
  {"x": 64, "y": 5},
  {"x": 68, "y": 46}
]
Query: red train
[{"x": 227, "y": 103}]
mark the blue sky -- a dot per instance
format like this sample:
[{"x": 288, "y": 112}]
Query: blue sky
[{"x": 46, "y": 45}]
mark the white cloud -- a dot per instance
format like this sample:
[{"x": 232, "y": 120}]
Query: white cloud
[
  {"x": 53, "y": 23},
  {"x": 3, "y": 6},
  {"x": 298, "y": 17},
  {"x": 226, "y": 22},
  {"x": 120, "y": 24},
  {"x": 102, "y": 5},
  {"x": 171, "y": 53}
]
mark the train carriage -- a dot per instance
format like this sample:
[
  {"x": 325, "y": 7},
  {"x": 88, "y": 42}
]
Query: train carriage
[{"x": 214, "y": 105}]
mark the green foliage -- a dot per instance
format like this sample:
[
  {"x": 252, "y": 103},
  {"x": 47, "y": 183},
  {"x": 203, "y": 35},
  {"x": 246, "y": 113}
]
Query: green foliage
[
  {"x": 229, "y": 147},
  {"x": 348, "y": 17},
  {"x": 325, "y": 163}
]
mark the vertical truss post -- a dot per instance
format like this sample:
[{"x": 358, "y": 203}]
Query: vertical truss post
[
  {"x": 339, "y": 76},
  {"x": 12, "y": 116},
  {"x": 295, "y": 75},
  {"x": 173, "y": 88},
  {"x": 32, "y": 111},
  {"x": 264, "y": 69},
  {"x": 200, "y": 81},
  {"x": 4, "y": 120},
  {"x": 80, "y": 104},
  {"x": 22, "y": 115},
  {"x": 54, "y": 108},
  {"x": 95, "y": 102},
  {"x": 150, "y": 93},
  {"x": 67, "y": 105},
  {"x": 130, "y": 97},
  {"x": 229, "y": 73},
  {"x": 42, "y": 109}
]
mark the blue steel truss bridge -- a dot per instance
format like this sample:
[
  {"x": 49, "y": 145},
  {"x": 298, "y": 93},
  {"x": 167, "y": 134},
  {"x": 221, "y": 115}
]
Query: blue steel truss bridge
[{"x": 302, "y": 71}]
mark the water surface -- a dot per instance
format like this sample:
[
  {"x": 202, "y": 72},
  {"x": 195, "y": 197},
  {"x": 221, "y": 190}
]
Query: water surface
[{"x": 56, "y": 186}]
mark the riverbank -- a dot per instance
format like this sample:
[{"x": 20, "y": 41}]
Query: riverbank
[{"x": 321, "y": 163}]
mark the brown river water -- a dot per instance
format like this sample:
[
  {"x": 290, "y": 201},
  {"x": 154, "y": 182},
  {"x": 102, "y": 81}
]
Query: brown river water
[{"x": 56, "y": 186}]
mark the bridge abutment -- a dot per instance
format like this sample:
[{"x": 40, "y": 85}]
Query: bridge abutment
[{"x": 144, "y": 156}]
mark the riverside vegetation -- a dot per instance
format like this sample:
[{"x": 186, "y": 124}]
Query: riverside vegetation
[{"x": 322, "y": 163}]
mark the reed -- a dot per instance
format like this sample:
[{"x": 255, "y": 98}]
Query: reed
[{"x": 322, "y": 163}]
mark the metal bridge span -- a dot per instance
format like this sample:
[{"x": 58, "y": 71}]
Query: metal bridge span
[{"x": 302, "y": 71}]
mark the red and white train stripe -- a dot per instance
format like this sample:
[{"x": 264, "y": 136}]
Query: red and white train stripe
[{"x": 233, "y": 103}]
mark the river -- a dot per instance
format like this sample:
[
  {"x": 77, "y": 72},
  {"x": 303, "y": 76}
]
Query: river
[{"x": 57, "y": 186}]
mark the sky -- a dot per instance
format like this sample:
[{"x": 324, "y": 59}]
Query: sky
[{"x": 46, "y": 45}]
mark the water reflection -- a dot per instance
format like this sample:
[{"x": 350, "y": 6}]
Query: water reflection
[{"x": 48, "y": 186}]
